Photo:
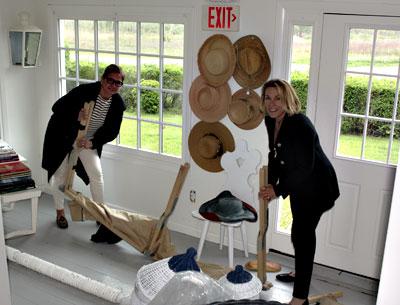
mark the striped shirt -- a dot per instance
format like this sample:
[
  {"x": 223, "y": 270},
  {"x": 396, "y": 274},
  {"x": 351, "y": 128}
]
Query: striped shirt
[{"x": 98, "y": 115}]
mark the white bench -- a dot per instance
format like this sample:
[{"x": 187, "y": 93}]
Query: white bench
[{"x": 14, "y": 197}]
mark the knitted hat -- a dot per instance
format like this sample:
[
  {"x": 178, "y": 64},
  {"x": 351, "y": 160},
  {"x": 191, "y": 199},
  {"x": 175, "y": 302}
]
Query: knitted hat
[
  {"x": 242, "y": 284},
  {"x": 152, "y": 278}
]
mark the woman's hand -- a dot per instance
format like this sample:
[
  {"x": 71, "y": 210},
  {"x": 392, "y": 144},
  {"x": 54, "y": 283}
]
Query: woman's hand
[
  {"x": 83, "y": 115},
  {"x": 267, "y": 193},
  {"x": 84, "y": 143}
]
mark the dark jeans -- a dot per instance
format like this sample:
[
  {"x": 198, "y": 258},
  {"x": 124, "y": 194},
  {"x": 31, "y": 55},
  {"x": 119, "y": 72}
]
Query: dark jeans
[{"x": 305, "y": 221}]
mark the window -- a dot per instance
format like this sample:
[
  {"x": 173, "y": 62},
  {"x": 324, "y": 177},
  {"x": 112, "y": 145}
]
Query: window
[
  {"x": 151, "y": 55},
  {"x": 370, "y": 119},
  {"x": 299, "y": 76}
]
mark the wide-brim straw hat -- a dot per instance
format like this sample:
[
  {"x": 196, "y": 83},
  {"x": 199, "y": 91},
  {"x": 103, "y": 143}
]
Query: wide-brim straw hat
[
  {"x": 217, "y": 59},
  {"x": 208, "y": 142},
  {"x": 246, "y": 109},
  {"x": 242, "y": 284},
  {"x": 209, "y": 103},
  {"x": 253, "y": 65}
]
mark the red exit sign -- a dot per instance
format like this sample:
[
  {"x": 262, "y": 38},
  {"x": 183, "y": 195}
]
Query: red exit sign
[{"x": 221, "y": 18}]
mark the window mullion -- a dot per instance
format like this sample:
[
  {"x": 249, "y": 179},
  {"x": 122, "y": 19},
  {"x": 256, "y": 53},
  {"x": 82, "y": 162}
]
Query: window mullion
[
  {"x": 76, "y": 24},
  {"x": 138, "y": 71},
  {"x": 96, "y": 49},
  {"x": 160, "y": 89}
]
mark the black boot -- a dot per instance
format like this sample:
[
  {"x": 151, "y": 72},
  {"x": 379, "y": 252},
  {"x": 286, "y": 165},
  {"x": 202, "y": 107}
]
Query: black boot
[{"x": 104, "y": 235}]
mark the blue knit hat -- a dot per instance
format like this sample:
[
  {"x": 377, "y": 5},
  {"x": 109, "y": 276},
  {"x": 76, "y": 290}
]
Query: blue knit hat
[
  {"x": 241, "y": 283},
  {"x": 153, "y": 277}
]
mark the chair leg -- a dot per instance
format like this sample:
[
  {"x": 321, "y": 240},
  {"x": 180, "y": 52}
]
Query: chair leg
[
  {"x": 34, "y": 207},
  {"x": 221, "y": 236},
  {"x": 202, "y": 238},
  {"x": 244, "y": 238},
  {"x": 230, "y": 246}
]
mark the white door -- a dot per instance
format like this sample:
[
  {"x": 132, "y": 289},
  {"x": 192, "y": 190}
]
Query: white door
[{"x": 359, "y": 130}]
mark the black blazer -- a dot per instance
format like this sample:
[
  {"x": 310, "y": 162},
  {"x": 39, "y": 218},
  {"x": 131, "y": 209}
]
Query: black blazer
[
  {"x": 63, "y": 127},
  {"x": 297, "y": 165}
]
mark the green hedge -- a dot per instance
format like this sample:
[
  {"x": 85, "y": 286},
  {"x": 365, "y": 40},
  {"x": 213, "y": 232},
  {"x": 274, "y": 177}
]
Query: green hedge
[
  {"x": 150, "y": 76},
  {"x": 355, "y": 97}
]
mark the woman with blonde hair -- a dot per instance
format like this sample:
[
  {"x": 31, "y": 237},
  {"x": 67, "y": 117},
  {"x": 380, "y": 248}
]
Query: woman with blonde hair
[{"x": 297, "y": 166}]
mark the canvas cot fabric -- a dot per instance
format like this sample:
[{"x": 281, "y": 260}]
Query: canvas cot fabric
[{"x": 136, "y": 229}]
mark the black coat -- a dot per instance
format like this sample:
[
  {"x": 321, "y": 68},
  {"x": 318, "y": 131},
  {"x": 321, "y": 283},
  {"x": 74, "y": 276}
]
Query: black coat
[
  {"x": 297, "y": 165},
  {"x": 63, "y": 127}
]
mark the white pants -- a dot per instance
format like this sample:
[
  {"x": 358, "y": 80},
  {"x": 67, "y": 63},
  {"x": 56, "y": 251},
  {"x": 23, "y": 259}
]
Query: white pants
[{"x": 91, "y": 163}]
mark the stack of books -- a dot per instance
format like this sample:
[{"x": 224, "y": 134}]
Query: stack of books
[
  {"x": 14, "y": 174},
  {"x": 7, "y": 153}
]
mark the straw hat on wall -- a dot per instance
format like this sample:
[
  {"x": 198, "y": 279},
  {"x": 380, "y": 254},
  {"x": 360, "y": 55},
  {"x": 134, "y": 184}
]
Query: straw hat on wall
[
  {"x": 208, "y": 142},
  {"x": 216, "y": 59},
  {"x": 253, "y": 65},
  {"x": 246, "y": 109},
  {"x": 209, "y": 104}
]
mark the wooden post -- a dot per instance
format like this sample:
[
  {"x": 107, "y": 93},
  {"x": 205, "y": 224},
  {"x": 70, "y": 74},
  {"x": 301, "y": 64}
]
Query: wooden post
[
  {"x": 263, "y": 226},
  {"x": 173, "y": 199},
  {"x": 73, "y": 157}
]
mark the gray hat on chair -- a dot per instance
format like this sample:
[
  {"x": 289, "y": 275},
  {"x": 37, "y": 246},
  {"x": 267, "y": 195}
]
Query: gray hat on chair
[{"x": 227, "y": 208}]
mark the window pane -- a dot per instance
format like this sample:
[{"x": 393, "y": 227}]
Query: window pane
[
  {"x": 387, "y": 52},
  {"x": 150, "y": 68},
  {"x": 127, "y": 37},
  {"x": 150, "y": 38},
  {"x": 172, "y": 108},
  {"x": 377, "y": 141},
  {"x": 172, "y": 140},
  {"x": 128, "y": 133},
  {"x": 86, "y": 34},
  {"x": 128, "y": 64},
  {"x": 173, "y": 39},
  {"x": 394, "y": 152},
  {"x": 300, "y": 62},
  {"x": 284, "y": 216},
  {"x": 105, "y": 59},
  {"x": 173, "y": 74},
  {"x": 382, "y": 96},
  {"x": 87, "y": 65},
  {"x": 149, "y": 102},
  {"x": 355, "y": 94},
  {"x": 106, "y": 35},
  {"x": 350, "y": 139},
  {"x": 360, "y": 50},
  {"x": 149, "y": 136},
  {"x": 69, "y": 70},
  {"x": 129, "y": 96},
  {"x": 67, "y": 33}
]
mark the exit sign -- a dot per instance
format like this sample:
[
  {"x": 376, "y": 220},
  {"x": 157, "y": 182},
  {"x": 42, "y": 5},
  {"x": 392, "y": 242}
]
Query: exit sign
[{"x": 221, "y": 18}]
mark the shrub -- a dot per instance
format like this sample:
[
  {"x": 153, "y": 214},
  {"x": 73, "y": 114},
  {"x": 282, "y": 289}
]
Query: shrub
[{"x": 355, "y": 97}]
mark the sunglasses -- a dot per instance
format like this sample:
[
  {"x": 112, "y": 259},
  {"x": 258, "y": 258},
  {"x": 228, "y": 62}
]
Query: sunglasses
[{"x": 115, "y": 82}]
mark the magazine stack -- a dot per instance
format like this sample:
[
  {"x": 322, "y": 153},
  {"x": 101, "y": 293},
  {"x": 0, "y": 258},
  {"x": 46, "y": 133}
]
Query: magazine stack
[{"x": 14, "y": 174}]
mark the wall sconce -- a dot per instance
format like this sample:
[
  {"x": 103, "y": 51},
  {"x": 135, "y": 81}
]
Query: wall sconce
[{"x": 25, "y": 42}]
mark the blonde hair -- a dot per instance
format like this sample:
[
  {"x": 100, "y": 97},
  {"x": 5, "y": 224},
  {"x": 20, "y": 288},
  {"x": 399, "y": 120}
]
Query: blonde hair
[{"x": 289, "y": 98}]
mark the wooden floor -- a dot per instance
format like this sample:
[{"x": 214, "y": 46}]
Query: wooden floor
[{"x": 117, "y": 265}]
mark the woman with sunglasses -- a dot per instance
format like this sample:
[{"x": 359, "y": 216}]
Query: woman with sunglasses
[{"x": 63, "y": 128}]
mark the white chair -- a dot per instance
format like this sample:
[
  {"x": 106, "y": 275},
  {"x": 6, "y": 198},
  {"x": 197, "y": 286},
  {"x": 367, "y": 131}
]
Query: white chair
[{"x": 239, "y": 165}]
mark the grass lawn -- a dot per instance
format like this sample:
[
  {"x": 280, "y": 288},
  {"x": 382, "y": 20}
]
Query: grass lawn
[{"x": 150, "y": 133}]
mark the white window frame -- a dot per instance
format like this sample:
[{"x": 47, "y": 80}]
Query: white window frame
[{"x": 182, "y": 15}]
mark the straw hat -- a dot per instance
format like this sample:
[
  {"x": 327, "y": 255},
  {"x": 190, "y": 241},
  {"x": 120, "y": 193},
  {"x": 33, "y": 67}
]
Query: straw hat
[
  {"x": 242, "y": 284},
  {"x": 246, "y": 109},
  {"x": 216, "y": 59},
  {"x": 208, "y": 142},
  {"x": 253, "y": 65},
  {"x": 153, "y": 277},
  {"x": 209, "y": 103}
]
